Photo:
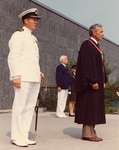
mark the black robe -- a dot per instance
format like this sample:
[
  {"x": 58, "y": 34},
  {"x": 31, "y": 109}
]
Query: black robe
[{"x": 90, "y": 107}]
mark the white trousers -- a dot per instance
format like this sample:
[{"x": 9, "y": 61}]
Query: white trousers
[
  {"x": 61, "y": 102},
  {"x": 23, "y": 109}
]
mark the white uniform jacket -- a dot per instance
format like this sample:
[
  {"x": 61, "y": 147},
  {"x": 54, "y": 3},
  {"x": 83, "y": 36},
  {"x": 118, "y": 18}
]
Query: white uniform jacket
[{"x": 23, "y": 58}]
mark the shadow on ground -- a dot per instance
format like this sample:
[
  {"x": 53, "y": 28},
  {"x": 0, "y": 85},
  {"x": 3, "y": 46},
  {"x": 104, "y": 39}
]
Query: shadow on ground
[{"x": 73, "y": 132}]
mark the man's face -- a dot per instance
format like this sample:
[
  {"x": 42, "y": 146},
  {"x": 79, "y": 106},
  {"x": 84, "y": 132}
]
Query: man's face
[
  {"x": 31, "y": 23},
  {"x": 98, "y": 33},
  {"x": 65, "y": 61}
]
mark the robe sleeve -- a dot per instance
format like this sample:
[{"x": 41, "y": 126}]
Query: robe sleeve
[{"x": 86, "y": 67}]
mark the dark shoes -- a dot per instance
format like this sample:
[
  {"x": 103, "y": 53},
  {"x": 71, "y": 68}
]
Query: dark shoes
[{"x": 92, "y": 139}]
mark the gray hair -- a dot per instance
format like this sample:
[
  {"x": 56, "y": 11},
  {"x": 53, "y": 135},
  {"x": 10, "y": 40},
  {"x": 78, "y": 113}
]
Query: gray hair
[
  {"x": 93, "y": 27},
  {"x": 62, "y": 57}
]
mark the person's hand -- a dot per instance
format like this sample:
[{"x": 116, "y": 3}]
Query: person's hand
[
  {"x": 16, "y": 82},
  {"x": 59, "y": 89},
  {"x": 117, "y": 92},
  {"x": 95, "y": 86},
  {"x": 104, "y": 85}
]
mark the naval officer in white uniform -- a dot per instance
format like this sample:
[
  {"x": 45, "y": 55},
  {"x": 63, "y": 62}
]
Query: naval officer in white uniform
[{"x": 25, "y": 74}]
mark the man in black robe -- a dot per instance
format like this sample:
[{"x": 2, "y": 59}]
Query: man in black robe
[{"x": 90, "y": 83}]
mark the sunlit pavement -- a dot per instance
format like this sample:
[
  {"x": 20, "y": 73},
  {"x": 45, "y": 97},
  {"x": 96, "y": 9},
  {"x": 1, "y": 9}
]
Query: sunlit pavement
[{"x": 62, "y": 134}]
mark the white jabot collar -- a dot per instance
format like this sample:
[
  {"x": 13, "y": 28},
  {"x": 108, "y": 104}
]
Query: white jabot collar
[{"x": 63, "y": 64}]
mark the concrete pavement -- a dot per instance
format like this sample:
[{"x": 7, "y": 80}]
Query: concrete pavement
[{"x": 62, "y": 134}]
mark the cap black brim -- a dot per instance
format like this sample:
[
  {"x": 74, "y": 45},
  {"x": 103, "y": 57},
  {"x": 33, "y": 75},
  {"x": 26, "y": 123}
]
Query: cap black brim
[{"x": 37, "y": 17}]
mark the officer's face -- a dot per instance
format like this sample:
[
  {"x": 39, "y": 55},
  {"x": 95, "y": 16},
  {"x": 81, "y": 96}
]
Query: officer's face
[
  {"x": 31, "y": 23},
  {"x": 98, "y": 33}
]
